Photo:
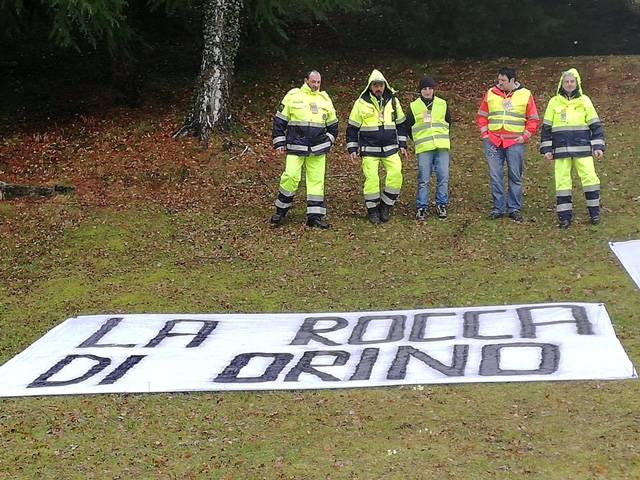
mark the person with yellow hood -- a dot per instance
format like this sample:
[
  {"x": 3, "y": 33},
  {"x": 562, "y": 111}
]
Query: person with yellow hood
[
  {"x": 572, "y": 134},
  {"x": 376, "y": 132}
]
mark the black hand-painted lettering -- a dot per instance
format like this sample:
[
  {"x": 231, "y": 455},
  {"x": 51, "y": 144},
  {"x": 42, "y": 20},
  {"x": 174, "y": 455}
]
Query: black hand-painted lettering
[
  {"x": 121, "y": 369},
  {"x": 578, "y": 312},
  {"x": 395, "y": 333},
  {"x": 367, "y": 361},
  {"x": 420, "y": 324},
  {"x": 231, "y": 372},
  {"x": 490, "y": 363},
  {"x": 472, "y": 325},
  {"x": 308, "y": 332},
  {"x": 43, "y": 380},
  {"x": 398, "y": 369},
  {"x": 207, "y": 327},
  {"x": 105, "y": 328},
  {"x": 304, "y": 365}
]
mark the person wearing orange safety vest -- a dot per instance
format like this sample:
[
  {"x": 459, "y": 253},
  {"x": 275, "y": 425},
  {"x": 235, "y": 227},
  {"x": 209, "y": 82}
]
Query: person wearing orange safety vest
[
  {"x": 572, "y": 134},
  {"x": 507, "y": 119},
  {"x": 305, "y": 127}
]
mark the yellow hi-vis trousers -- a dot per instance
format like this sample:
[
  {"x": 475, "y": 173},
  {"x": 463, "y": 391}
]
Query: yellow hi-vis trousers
[
  {"x": 290, "y": 179},
  {"x": 564, "y": 185},
  {"x": 393, "y": 183}
]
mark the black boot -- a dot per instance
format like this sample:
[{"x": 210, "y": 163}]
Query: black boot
[
  {"x": 374, "y": 215},
  {"x": 278, "y": 218},
  {"x": 564, "y": 224},
  {"x": 564, "y": 220},
  {"x": 385, "y": 212},
  {"x": 594, "y": 215},
  {"x": 316, "y": 221}
]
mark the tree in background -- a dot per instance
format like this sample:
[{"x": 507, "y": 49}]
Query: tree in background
[
  {"x": 83, "y": 25},
  {"x": 470, "y": 28},
  {"x": 110, "y": 25},
  {"x": 431, "y": 28},
  {"x": 491, "y": 28},
  {"x": 211, "y": 106},
  {"x": 265, "y": 25}
]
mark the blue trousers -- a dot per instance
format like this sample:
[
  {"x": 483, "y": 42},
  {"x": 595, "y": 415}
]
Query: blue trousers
[
  {"x": 514, "y": 158},
  {"x": 429, "y": 161}
]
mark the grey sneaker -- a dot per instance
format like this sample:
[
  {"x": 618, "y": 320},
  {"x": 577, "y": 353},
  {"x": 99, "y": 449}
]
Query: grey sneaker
[
  {"x": 442, "y": 211},
  {"x": 421, "y": 214},
  {"x": 516, "y": 216}
]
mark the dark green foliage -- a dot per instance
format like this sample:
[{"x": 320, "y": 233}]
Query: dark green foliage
[
  {"x": 428, "y": 27},
  {"x": 115, "y": 24},
  {"x": 80, "y": 24},
  {"x": 454, "y": 28},
  {"x": 468, "y": 27},
  {"x": 10, "y": 11},
  {"x": 268, "y": 22}
]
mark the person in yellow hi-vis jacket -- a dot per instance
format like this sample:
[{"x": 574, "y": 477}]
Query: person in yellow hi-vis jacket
[
  {"x": 572, "y": 134},
  {"x": 376, "y": 133},
  {"x": 305, "y": 127}
]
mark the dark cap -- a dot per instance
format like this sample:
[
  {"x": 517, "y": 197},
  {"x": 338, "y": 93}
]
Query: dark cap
[{"x": 427, "y": 82}]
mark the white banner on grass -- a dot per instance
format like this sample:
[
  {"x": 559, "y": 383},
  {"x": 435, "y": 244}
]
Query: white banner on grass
[
  {"x": 170, "y": 353},
  {"x": 629, "y": 255}
]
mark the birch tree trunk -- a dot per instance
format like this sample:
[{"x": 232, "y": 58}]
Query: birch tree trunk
[{"x": 210, "y": 109}]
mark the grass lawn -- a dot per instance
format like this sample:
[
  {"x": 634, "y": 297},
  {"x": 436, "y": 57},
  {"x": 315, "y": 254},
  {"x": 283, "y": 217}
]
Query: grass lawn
[{"x": 160, "y": 226}]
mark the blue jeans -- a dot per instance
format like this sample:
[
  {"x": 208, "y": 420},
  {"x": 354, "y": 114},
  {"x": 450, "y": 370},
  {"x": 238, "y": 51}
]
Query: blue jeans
[
  {"x": 496, "y": 157},
  {"x": 437, "y": 160}
]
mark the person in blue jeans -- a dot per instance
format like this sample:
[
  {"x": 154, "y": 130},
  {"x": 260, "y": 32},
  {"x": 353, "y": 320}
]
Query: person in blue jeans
[
  {"x": 513, "y": 156},
  {"x": 507, "y": 119},
  {"x": 427, "y": 123}
]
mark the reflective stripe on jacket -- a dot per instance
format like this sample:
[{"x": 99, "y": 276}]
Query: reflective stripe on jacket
[
  {"x": 508, "y": 113},
  {"x": 305, "y": 123},
  {"x": 507, "y": 118},
  {"x": 376, "y": 126},
  {"x": 430, "y": 130},
  {"x": 571, "y": 126}
]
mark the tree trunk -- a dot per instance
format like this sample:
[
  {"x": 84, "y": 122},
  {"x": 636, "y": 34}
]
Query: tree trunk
[
  {"x": 210, "y": 109},
  {"x": 634, "y": 5}
]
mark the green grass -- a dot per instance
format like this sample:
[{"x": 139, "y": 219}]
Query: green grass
[{"x": 68, "y": 256}]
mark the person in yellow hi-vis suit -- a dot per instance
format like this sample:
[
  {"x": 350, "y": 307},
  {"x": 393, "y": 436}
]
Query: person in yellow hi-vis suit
[
  {"x": 376, "y": 133},
  {"x": 572, "y": 134},
  {"x": 305, "y": 127}
]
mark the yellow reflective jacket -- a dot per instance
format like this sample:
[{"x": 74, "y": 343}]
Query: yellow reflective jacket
[
  {"x": 376, "y": 126},
  {"x": 430, "y": 130},
  {"x": 571, "y": 126},
  {"x": 306, "y": 122}
]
